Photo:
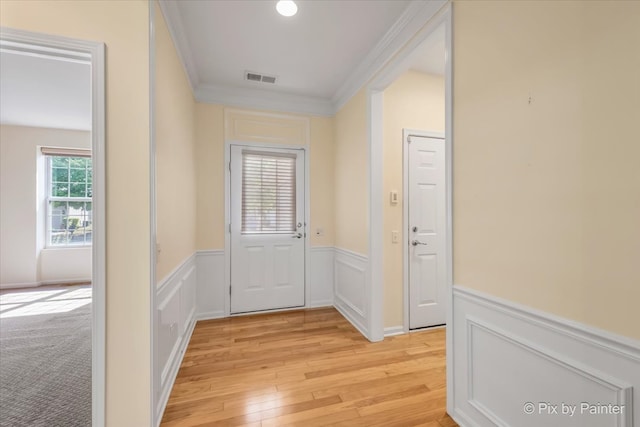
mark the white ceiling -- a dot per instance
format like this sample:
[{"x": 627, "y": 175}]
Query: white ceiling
[
  {"x": 44, "y": 92},
  {"x": 320, "y": 56},
  {"x": 311, "y": 53}
]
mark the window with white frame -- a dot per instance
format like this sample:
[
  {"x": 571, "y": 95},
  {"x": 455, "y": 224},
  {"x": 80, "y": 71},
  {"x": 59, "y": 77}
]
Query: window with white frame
[{"x": 69, "y": 191}]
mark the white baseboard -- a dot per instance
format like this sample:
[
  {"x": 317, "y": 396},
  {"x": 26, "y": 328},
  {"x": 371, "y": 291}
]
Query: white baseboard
[
  {"x": 43, "y": 283},
  {"x": 507, "y": 355},
  {"x": 321, "y": 303},
  {"x": 346, "y": 313},
  {"x": 393, "y": 330},
  {"x": 210, "y": 315},
  {"x": 65, "y": 282},
  {"x": 20, "y": 285},
  {"x": 349, "y": 285}
]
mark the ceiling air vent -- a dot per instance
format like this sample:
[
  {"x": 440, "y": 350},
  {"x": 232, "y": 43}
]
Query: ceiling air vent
[{"x": 255, "y": 77}]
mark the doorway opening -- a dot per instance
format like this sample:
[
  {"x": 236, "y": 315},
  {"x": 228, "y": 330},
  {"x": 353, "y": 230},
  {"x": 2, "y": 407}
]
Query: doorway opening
[
  {"x": 412, "y": 93},
  {"x": 384, "y": 319},
  {"x": 53, "y": 103}
]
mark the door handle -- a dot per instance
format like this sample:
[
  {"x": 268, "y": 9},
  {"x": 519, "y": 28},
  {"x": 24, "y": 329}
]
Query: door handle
[
  {"x": 416, "y": 243},
  {"x": 297, "y": 236}
]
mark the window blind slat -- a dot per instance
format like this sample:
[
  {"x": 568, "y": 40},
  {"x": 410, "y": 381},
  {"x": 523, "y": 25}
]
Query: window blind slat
[{"x": 268, "y": 192}]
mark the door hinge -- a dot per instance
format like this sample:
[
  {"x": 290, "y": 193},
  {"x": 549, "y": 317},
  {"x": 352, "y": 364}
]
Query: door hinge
[
  {"x": 229, "y": 228},
  {"x": 229, "y": 290},
  {"x": 229, "y": 166}
]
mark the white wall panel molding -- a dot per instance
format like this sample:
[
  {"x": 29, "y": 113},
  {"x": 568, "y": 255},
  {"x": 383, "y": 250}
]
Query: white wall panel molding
[
  {"x": 211, "y": 287},
  {"x": 350, "y": 276},
  {"x": 320, "y": 277},
  {"x": 173, "y": 274},
  {"x": 626, "y": 347},
  {"x": 175, "y": 320},
  {"x": 517, "y": 366}
]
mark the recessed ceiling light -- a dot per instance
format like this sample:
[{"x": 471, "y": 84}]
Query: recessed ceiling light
[{"x": 286, "y": 7}]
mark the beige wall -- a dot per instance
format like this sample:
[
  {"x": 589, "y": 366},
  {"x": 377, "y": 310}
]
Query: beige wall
[
  {"x": 351, "y": 176},
  {"x": 23, "y": 259},
  {"x": 124, "y": 28},
  {"x": 263, "y": 127},
  {"x": 322, "y": 181},
  {"x": 175, "y": 155},
  {"x": 547, "y": 192},
  {"x": 210, "y": 169},
  {"x": 414, "y": 101}
]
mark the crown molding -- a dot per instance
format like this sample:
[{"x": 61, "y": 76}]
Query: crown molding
[
  {"x": 174, "y": 24},
  {"x": 264, "y": 99},
  {"x": 415, "y": 16}
]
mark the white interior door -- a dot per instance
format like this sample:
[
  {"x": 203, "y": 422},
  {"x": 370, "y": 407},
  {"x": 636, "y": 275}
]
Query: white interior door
[
  {"x": 427, "y": 232},
  {"x": 267, "y": 228}
]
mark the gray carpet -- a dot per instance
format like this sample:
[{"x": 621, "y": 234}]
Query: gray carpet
[{"x": 45, "y": 369}]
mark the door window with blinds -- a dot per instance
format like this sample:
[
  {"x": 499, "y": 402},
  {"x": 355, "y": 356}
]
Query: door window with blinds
[{"x": 268, "y": 192}]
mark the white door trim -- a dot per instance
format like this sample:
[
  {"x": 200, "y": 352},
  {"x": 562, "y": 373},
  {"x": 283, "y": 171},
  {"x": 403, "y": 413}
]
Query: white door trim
[
  {"x": 155, "y": 382},
  {"x": 398, "y": 65},
  {"x": 405, "y": 216},
  {"x": 68, "y": 49},
  {"x": 227, "y": 217}
]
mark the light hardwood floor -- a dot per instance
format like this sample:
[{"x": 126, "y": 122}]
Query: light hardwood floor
[{"x": 311, "y": 368}]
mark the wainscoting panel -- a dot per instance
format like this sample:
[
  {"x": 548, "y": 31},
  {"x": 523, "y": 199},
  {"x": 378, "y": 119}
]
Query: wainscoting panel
[
  {"x": 350, "y": 293},
  {"x": 514, "y": 366},
  {"x": 188, "y": 298},
  {"x": 320, "y": 277},
  {"x": 174, "y": 322},
  {"x": 211, "y": 288}
]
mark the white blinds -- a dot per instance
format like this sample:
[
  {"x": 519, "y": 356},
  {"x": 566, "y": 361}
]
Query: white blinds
[
  {"x": 65, "y": 152},
  {"x": 268, "y": 192}
]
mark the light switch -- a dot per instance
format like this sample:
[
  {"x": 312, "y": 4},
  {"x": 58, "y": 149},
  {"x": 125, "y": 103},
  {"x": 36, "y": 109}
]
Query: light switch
[
  {"x": 393, "y": 197},
  {"x": 395, "y": 237}
]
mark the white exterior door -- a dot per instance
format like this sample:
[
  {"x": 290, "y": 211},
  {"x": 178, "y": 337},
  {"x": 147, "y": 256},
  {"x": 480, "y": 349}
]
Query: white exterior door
[
  {"x": 427, "y": 232},
  {"x": 267, "y": 228}
]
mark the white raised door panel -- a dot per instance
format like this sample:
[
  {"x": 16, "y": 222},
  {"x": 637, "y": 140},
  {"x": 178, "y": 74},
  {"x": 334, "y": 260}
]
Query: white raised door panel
[
  {"x": 427, "y": 232},
  {"x": 267, "y": 228}
]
